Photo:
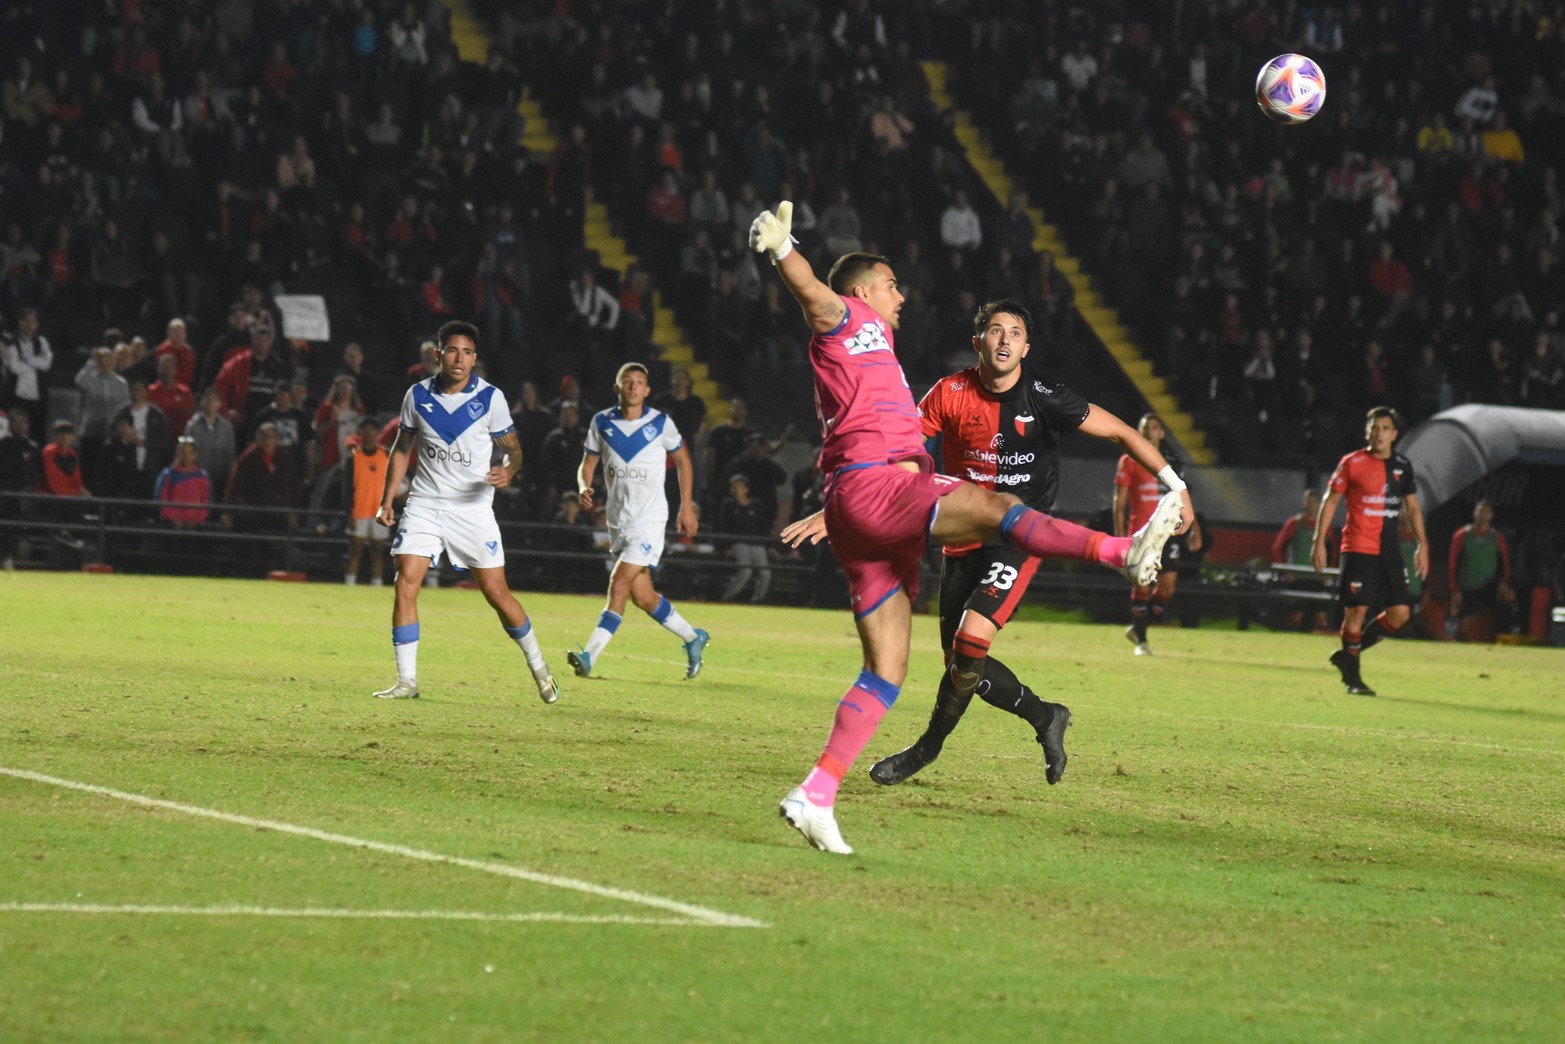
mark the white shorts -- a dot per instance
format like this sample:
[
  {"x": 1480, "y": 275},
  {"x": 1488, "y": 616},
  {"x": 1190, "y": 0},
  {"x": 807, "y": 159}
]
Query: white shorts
[
  {"x": 641, "y": 546},
  {"x": 469, "y": 535},
  {"x": 368, "y": 529}
]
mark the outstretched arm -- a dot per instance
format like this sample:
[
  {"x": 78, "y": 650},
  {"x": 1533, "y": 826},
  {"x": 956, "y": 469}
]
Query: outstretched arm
[
  {"x": 770, "y": 234},
  {"x": 1102, "y": 424}
]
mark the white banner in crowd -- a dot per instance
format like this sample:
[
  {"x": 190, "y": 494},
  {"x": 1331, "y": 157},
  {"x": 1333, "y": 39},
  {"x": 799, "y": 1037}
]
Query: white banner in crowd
[{"x": 305, "y": 317}]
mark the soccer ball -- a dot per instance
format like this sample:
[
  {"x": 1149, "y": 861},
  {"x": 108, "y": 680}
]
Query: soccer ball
[{"x": 1290, "y": 88}]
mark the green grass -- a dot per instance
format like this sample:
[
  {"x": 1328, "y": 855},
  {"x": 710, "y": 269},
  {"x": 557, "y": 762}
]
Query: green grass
[{"x": 1238, "y": 851}]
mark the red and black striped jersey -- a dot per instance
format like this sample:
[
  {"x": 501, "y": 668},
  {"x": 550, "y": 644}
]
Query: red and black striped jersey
[
  {"x": 1374, "y": 490},
  {"x": 1008, "y": 441}
]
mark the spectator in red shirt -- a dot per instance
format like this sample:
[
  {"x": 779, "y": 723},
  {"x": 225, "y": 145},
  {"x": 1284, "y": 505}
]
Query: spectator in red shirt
[
  {"x": 62, "y": 466},
  {"x": 1391, "y": 280},
  {"x": 172, "y": 395},
  {"x": 184, "y": 355}
]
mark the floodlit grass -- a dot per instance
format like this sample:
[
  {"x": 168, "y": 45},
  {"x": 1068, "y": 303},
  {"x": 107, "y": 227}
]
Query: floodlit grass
[{"x": 1238, "y": 851}]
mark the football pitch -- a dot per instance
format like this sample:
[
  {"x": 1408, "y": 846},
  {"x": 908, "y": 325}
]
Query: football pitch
[{"x": 210, "y": 831}]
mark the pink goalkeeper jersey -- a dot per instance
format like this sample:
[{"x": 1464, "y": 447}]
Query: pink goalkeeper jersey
[{"x": 863, "y": 401}]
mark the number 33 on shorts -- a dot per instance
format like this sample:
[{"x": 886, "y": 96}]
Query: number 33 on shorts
[{"x": 1000, "y": 575}]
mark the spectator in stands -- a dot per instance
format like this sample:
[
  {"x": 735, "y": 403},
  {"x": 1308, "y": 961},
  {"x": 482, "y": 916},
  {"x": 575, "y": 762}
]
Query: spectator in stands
[
  {"x": 763, "y": 474},
  {"x": 363, "y": 383},
  {"x": 175, "y": 344},
  {"x": 561, "y": 453},
  {"x": 293, "y": 428},
  {"x": 184, "y": 488},
  {"x": 117, "y": 271},
  {"x": 497, "y": 298},
  {"x": 1543, "y": 376},
  {"x": 234, "y": 338},
  {"x": 103, "y": 393},
  {"x": 263, "y": 477},
  {"x": 740, "y": 515},
  {"x": 151, "y": 434},
  {"x": 336, "y": 420},
  {"x": 213, "y": 436},
  {"x": 533, "y": 424},
  {"x": 594, "y": 315},
  {"x": 27, "y": 358},
  {"x": 1480, "y": 570},
  {"x": 123, "y": 471},
  {"x": 840, "y": 226},
  {"x": 172, "y": 395},
  {"x": 249, "y": 380},
  {"x": 20, "y": 462},
  {"x": 960, "y": 228},
  {"x": 61, "y": 466}
]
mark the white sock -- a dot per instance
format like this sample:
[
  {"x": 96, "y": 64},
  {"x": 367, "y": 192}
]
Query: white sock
[
  {"x": 527, "y": 641},
  {"x": 608, "y": 623},
  {"x": 404, "y": 641},
  {"x": 669, "y": 617},
  {"x": 350, "y": 579}
]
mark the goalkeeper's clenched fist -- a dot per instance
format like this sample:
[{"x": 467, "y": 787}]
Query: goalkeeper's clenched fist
[{"x": 770, "y": 233}]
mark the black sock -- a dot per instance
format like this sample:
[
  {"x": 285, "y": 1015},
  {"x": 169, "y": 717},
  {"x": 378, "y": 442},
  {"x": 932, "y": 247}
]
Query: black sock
[
  {"x": 950, "y": 705},
  {"x": 1001, "y": 688},
  {"x": 1139, "y": 620},
  {"x": 1159, "y": 609}
]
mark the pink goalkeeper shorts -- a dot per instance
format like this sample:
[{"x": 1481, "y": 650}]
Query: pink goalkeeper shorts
[{"x": 878, "y": 519}]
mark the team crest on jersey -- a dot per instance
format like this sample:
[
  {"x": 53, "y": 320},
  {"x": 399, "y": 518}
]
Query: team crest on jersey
[
  {"x": 647, "y": 433},
  {"x": 493, "y": 546},
  {"x": 870, "y": 338},
  {"x": 1355, "y": 586},
  {"x": 475, "y": 409},
  {"x": 1024, "y": 424},
  {"x": 1396, "y": 473}
]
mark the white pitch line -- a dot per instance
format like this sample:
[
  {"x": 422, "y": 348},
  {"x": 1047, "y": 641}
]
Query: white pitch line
[
  {"x": 712, "y": 917},
  {"x": 364, "y": 915}
]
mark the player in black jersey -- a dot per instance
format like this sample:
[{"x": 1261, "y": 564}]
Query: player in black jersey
[{"x": 999, "y": 428}]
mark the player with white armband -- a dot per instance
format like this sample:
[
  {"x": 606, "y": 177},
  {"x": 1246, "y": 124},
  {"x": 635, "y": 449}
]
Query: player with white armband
[{"x": 458, "y": 422}]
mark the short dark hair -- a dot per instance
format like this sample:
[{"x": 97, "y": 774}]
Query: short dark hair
[
  {"x": 851, "y": 270},
  {"x": 456, "y": 328},
  {"x": 1377, "y": 412},
  {"x": 989, "y": 309},
  {"x": 1147, "y": 418}
]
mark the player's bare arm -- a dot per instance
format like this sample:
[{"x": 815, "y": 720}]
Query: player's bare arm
[
  {"x": 396, "y": 470},
  {"x": 811, "y": 528},
  {"x": 1415, "y": 518},
  {"x": 1101, "y": 424},
  {"x": 584, "y": 473},
  {"x": 1328, "y": 511},
  {"x": 501, "y": 474},
  {"x": 771, "y": 234},
  {"x": 685, "y": 474}
]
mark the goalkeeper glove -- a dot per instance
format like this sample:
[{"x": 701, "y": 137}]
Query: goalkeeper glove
[{"x": 769, "y": 233}]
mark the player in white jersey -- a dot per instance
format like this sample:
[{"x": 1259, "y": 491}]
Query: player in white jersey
[
  {"x": 458, "y": 423},
  {"x": 635, "y": 442}
]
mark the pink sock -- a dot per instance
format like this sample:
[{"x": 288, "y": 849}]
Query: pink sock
[
  {"x": 858, "y": 715},
  {"x": 1048, "y": 537}
]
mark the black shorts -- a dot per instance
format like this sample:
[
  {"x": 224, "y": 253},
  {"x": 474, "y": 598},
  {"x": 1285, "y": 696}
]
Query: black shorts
[
  {"x": 1373, "y": 580},
  {"x": 989, "y": 580}
]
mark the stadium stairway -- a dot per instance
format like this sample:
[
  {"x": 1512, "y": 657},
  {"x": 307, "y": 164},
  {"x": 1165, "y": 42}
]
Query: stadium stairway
[
  {"x": 675, "y": 349},
  {"x": 1102, "y": 319}
]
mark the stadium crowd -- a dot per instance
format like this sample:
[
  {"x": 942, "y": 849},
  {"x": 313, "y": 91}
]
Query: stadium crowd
[{"x": 169, "y": 168}]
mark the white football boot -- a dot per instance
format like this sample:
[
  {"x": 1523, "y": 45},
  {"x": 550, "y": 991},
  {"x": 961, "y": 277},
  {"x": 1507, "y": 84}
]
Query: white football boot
[
  {"x": 816, "y": 822},
  {"x": 400, "y": 691},
  {"x": 1145, "y": 558}
]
